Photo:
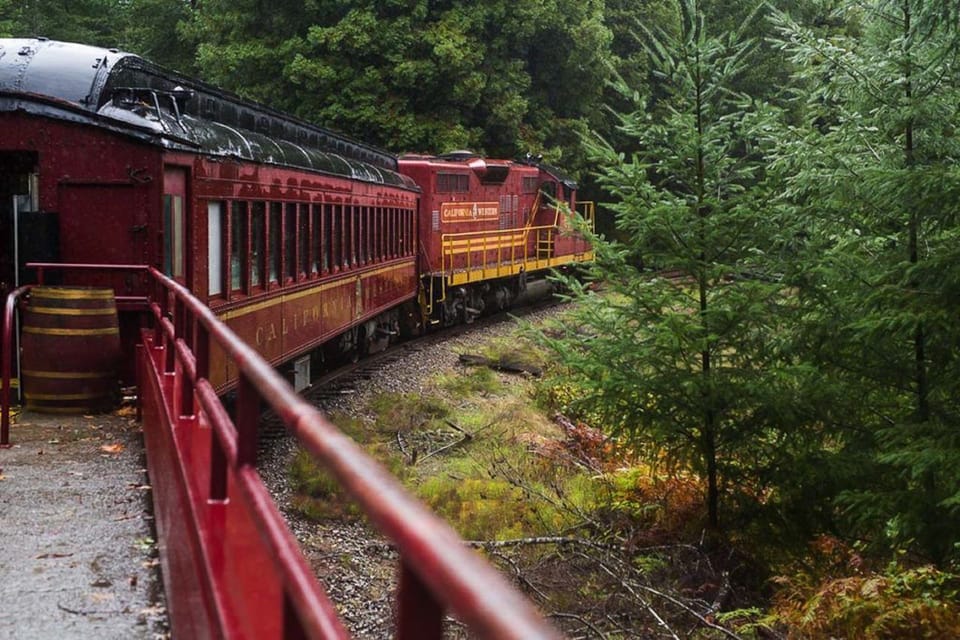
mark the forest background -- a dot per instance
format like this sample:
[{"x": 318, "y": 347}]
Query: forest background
[{"x": 793, "y": 161}]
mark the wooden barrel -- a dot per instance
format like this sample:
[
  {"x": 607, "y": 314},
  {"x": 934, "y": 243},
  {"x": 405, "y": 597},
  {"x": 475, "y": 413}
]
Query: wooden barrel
[{"x": 70, "y": 344}]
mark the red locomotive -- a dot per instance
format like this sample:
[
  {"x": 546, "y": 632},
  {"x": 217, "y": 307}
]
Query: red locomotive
[{"x": 297, "y": 237}]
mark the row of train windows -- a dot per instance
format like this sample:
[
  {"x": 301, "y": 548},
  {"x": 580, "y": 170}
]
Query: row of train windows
[{"x": 253, "y": 245}]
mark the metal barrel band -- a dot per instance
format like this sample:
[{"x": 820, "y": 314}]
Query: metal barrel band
[
  {"x": 64, "y": 311},
  {"x": 72, "y": 294}
]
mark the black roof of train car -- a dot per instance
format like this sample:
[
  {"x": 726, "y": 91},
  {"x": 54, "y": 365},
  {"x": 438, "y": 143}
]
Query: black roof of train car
[{"x": 125, "y": 93}]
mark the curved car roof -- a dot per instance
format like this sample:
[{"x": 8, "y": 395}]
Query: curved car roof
[{"x": 125, "y": 93}]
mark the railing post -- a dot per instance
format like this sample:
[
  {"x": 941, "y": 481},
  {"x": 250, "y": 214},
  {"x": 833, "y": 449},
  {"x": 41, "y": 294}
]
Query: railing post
[
  {"x": 218, "y": 468},
  {"x": 171, "y": 355},
  {"x": 292, "y": 625},
  {"x": 246, "y": 421},
  {"x": 419, "y": 615},
  {"x": 160, "y": 296},
  {"x": 186, "y": 383},
  {"x": 9, "y": 320}
]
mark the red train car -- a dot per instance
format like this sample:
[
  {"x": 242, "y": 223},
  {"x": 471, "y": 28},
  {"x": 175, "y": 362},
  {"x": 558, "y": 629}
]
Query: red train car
[
  {"x": 297, "y": 237},
  {"x": 487, "y": 227},
  {"x": 294, "y": 235}
]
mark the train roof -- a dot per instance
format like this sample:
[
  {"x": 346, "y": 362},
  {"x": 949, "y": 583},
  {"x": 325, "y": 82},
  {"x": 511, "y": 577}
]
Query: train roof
[
  {"x": 123, "y": 92},
  {"x": 482, "y": 166}
]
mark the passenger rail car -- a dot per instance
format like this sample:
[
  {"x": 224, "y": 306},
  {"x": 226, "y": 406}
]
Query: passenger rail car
[{"x": 296, "y": 237}]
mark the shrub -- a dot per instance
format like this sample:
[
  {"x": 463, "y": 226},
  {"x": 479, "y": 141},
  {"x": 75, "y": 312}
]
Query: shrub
[{"x": 838, "y": 597}]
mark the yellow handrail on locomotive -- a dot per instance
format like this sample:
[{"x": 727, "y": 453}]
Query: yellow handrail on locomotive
[
  {"x": 513, "y": 253},
  {"x": 496, "y": 254}
]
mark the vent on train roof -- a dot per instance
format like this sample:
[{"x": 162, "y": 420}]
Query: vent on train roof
[{"x": 458, "y": 156}]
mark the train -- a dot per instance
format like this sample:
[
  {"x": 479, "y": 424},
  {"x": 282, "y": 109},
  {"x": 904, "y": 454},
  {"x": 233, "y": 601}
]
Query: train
[{"x": 305, "y": 242}]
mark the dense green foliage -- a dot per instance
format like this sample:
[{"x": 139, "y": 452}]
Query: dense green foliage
[
  {"x": 686, "y": 365},
  {"x": 807, "y": 353},
  {"x": 876, "y": 184}
]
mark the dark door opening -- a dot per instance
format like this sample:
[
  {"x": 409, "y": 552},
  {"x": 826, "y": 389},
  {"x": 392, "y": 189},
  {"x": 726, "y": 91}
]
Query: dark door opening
[{"x": 26, "y": 234}]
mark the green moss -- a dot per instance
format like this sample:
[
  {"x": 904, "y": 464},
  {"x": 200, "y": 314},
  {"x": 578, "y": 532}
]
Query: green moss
[
  {"x": 474, "y": 381},
  {"x": 406, "y": 412}
]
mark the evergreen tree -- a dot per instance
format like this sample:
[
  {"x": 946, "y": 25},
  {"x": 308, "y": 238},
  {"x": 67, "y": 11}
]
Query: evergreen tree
[
  {"x": 684, "y": 361},
  {"x": 501, "y": 77},
  {"x": 157, "y": 30},
  {"x": 93, "y": 22},
  {"x": 874, "y": 179},
  {"x": 6, "y": 18}
]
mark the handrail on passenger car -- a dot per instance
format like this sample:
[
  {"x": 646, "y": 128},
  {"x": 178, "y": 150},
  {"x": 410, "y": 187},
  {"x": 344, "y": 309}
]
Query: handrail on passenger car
[
  {"x": 9, "y": 310},
  {"x": 437, "y": 571}
]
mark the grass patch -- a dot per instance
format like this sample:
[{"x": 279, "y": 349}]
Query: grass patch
[
  {"x": 476, "y": 381},
  {"x": 317, "y": 494},
  {"x": 406, "y": 412},
  {"x": 515, "y": 350}
]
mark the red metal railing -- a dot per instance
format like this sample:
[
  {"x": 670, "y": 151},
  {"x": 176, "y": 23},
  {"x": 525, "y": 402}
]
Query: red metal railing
[
  {"x": 7, "y": 349},
  {"x": 224, "y": 496},
  {"x": 124, "y": 302}
]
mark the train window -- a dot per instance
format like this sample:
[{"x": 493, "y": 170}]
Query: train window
[
  {"x": 290, "y": 243},
  {"x": 315, "y": 239},
  {"x": 362, "y": 229},
  {"x": 390, "y": 232},
  {"x": 357, "y": 239},
  {"x": 366, "y": 231},
  {"x": 338, "y": 231},
  {"x": 215, "y": 224},
  {"x": 530, "y": 184},
  {"x": 453, "y": 182},
  {"x": 173, "y": 257},
  {"x": 258, "y": 233},
  {"x": 238, "y": 245},
  {"x": 326, "y": 237},
  {"x": 396, "y": 235},
  {"x": 372, "y": 222},
  {"x": 275, "y": 232},
  {"x": 396, "y": 231},
  {"x": 352, "y": 229},
  {"x": 410, "y": 246},
  {"x": 304, "y": 236},
  {"x": 371, "y": 233},
  {"x": 347, "y": 236},
  {"x": 376, "y": 233},
  {"x": 384, "y": 231}
]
